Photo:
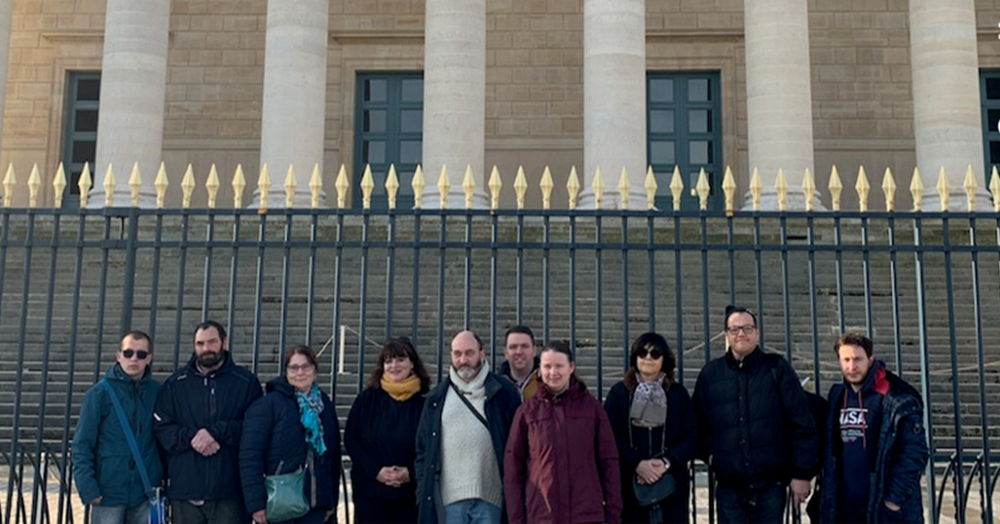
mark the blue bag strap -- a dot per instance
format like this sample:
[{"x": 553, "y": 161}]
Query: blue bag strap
[{"x": 139, "y": 463}]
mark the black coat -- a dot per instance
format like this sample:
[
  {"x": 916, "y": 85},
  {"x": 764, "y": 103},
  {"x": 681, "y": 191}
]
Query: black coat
[
  {"x": 380, "y": 432},
  {"x": 273, "y": 435},
  {"x": 189, "y": 401},
  {"x": 502, "y": 401},
  {"x": 679, "y": 436},
  {"x": 755, "y": 422}
]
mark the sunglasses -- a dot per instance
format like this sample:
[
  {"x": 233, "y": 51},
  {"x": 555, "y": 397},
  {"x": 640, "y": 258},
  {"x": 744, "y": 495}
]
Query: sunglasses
[
  {"x": 140, "y": 354},
  {"x": 652, "y": 353}
]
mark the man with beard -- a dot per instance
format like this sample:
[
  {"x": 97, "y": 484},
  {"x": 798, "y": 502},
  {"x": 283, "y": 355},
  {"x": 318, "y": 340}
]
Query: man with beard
[
  {"x": 461, "y": 440},
  {"x": 198, "y": 421}
]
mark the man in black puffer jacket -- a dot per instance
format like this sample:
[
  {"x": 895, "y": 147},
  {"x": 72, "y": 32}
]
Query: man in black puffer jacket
[
  {"x": 758, "y": 432},
  {"x": 199, "y": 421}
]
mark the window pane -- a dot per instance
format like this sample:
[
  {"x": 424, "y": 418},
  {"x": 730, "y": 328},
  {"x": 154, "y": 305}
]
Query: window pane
[
  {"x": 661, "y": 121},
  {"x": 374, "y": 152},
  {"x": 661, "y": 90},
  {"x": 661, "y": 152},
  {"x": 88, "y": 89},
  {"x": 83, "y": 151},
  {"x": 74, "y": 181},
  {"x": 993, "y": 88},
  {"x": 698, "y": 90},
  {"x": 86, "y": 120},
  {"x": 413, "y": 90},
  {"x": 376, "y": 90},
  {"x": 994, "y": 152},
  {"x": 411, "y": 120},
  {"x": 700, "y": 152},
  {"x": 375, "y": 121},
  {"x": 410, "y": 151},
  {"x": 700, "y": 121},
  {"x": 992, "y": 117}
]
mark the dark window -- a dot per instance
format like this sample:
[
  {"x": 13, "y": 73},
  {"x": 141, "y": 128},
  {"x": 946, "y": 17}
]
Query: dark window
[
  {"x": 390, "y": 130},
  {"x": 684, "y": 131},
  {"x": 989, "y": 86},
  {"x": 79, "y": 130}
]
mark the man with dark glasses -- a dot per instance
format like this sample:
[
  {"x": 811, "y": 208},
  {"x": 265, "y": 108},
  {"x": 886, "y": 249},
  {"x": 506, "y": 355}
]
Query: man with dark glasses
[{"x": 103, "y": 464}]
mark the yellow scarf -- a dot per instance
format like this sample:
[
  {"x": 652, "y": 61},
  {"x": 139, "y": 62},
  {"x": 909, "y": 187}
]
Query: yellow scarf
[{"x": 402, "y": 390}]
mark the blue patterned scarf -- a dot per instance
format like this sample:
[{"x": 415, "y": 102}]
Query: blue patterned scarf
[{"x": 310, "y": 406}]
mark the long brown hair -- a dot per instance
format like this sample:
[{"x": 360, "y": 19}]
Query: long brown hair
[{"x": 394, "y": 348}]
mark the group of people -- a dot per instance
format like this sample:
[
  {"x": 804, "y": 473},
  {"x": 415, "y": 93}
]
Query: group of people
[{"x": 528, "y": 443}]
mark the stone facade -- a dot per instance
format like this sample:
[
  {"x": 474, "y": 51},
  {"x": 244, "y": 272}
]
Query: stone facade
[{"x": 862, "y": 101}]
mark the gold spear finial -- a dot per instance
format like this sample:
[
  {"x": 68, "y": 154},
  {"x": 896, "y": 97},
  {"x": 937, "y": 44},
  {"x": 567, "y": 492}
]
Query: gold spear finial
[
  {"x": 188, "y": 184},
  {"x": 367, "y": 187},
  {"x": 546, "y": 186},
  {"x": 212, "y": 187},
  {"x": 704, "y": 189},
  {"x": 808, "y": 189},
  {"x": 836, "y": 188},
  {"x": 444, "y": 186},
  {"x": 677, "y": 188},
  {"x": 291, "y": 185},
  {"x": 624, "y": 189},
  {"x": 239, "y": 184},
  {"x": 889, "y": 188},
  {"x": 729, "y": 190},
  {"x": 316, "y": 186},
  {"x": 573, "y": 188},
  {"x": 495, "y": 185},
  {"x": 469, "y": 186},
  {"x": 59, "y": 186},
  {"x": 343, "y": 184},
  {"x": 34, "y": 184},
  {"x": 781, "y": 189},
  {"x": 520, "y": 186},
  {"x": 392, "y": 186},
  {"x": 264, "y": 188},
  {"x": 9, "y": 183},
  {"x": 995, "y": 189},
  {"x": 917, "y": 189},
  {"x": 944, "y": 190},
  {"x": 418, "y": 184},
  {"x": 135, "y": 184},
  {"x": 650, "y": 187},
  {"x": 971, "y": 187},
  {"x": 863, "y": 188},
  {"x": 598, "y": 187},
  {"x": 109, "y": 186},
  {"x": 85, "y": 183},
  {"x": 756, "y": 188},
  {"x": 161, "y": 183}
]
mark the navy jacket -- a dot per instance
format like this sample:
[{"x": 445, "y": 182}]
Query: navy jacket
[
  {"x": 103, "y": 465},
  {"x": 273, "y": 436},
  {"x": 754, "y": 421},
  {"x": 899, "y": 459},
  {"x": 502, "y": 400},
  {"x": 189, "y": 401}
]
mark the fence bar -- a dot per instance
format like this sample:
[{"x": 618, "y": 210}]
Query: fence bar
[
  {"x": 679, "y": 292},
  {"x": 311, "y": 292},
  {"x": 925, "y": 373},
  {"x": 181, "y": 271},
  {"x": 154, "y": 292},
  {"x": 894, "y": 277},
  {"x": 651, "y": 276},
  {"x": 986, "y": 495},
  {"x": 759, "y": 280},
  {"x": 520, "y": 269},
  {"x": 286, "y": 262},
  {"x": 953, "y": 344},
  {"x": 206, "y": 287},
  {"x": 598, "y": 302},
  {"x": 390, "y": 273},
  {"x": 572, "y": 280},
  {"x": 22, "y": 332},
  {"x": 467, "y": 296},
  {"x": 625, "y": 300},
  {"x": 416, "y": 279},
  {"x": 363, "y": 298},
  {"x": 867, "y": 276},
  {"x": 813, "y": 312},
  {"x": 839, "y": 264},
  {"x": 128, "y": 287},
  {"x": 233, "y": 272},
  {"x": 730, "y": 237},
  {"x": 786, "y": 300},
  {"x": 546, "y": 265},
  {"x": 258, "y": 296},
  {"x": 494, "y": 267},
  {"x": 706, "y": 314},
  {"x": 442, "y": 261},
  {"x": 338, "y": 335}
]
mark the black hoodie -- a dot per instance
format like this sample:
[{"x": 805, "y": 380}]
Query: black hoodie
[{"x": 860, "y": 419}]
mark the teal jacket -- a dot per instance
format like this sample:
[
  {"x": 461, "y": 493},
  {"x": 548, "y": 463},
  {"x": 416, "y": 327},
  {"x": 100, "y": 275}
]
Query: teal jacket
[{"x": 102, "y": 460}]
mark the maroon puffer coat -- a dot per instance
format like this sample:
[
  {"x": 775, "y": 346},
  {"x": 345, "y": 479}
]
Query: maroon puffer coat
[{"x": 561, "y": 462}]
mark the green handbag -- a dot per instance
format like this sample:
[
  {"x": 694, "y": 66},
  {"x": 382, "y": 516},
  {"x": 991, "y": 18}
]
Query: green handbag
[{"x": 286, "y": 495}]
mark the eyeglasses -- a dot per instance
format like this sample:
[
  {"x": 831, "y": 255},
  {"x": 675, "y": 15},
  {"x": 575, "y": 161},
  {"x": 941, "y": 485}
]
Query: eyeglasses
[
  {"x": 652, "y": 353},
  {"x": 295, "y": 368},
  {"x": 747, "y": 329},
  {"x": 140, "y": 354}
]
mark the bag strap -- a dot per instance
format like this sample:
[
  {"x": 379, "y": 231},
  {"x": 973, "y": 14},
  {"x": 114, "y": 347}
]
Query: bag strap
[
  {"x": 129, "y": 435},
  {"x": 470, "y": 406}
]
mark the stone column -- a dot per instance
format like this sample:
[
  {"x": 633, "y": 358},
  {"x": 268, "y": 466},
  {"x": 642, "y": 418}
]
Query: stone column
[
  {"x": 454, "y": 98},
  {"x": 133, "y": 87},
  {"x": 946, "y": 110},
  {"x": 614, "y": 99},
  {"x": 5, "y": 23},
  {"x": 294, "y": 112},
  {"x": 779, "y": 97}
]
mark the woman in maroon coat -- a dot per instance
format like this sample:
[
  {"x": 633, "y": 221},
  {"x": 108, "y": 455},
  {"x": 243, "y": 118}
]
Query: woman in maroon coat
[{"x": 561, "y": 462}]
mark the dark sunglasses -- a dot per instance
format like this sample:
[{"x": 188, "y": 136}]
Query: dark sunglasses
[
  {"x": 140, "y": 354},
  {"x": 653, "y": 353}
]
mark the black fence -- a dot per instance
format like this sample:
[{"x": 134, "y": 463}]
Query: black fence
[{"x": 924, "y": 286}]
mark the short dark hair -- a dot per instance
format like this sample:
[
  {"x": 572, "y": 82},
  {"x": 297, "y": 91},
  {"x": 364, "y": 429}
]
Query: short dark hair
[
  {"x": 560, "y": 346},
  {"x": 525, "y": 330},
  {"x": 394, "y": 348},
  {"x": 210, "y": 324},
  {"x": 138, "y": 335},
  {"x": 303, "y": 350},
  {"x": 854, "y": 339},
  {"x": 654, "y": 341},
  {"x": 732, "y": 310}
]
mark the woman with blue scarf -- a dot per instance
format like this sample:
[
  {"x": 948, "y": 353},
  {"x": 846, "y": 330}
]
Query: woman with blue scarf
[{"x": 294, "y": 425}]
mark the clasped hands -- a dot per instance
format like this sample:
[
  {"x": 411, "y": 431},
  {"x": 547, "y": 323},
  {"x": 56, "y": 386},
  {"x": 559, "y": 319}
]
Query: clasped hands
[
  {"x": 650, "y": 470},
  {"x": 393, "y": 476},
  {"x": 204, "y": 443}
]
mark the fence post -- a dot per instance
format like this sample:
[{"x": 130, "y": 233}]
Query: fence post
[{"x": 128, "y": 282}]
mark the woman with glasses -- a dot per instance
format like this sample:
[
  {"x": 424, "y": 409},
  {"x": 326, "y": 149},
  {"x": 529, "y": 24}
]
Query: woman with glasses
[
  {"x": 656, "y": 430},
  {"x": 381, "y": 436},
  {"x": 294, "y": 425}
]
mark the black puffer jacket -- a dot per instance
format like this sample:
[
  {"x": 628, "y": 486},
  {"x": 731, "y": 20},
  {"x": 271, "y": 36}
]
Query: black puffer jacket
[
  {"x": 755, "y": 422},
  {"x": 273, "y": 435}
]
